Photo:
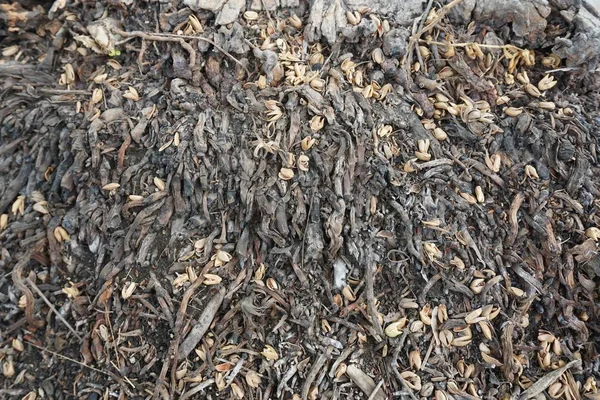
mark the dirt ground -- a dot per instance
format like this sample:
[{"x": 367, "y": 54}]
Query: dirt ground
[{"x": 204, "y": 199}]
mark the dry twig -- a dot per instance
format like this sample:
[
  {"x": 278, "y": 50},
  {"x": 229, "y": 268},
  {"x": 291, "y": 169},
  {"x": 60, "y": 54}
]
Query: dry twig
[{"x": 54, "y": 310}]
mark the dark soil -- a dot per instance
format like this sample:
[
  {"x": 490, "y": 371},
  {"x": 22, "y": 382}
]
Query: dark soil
[{"x": 196, "y": 208}]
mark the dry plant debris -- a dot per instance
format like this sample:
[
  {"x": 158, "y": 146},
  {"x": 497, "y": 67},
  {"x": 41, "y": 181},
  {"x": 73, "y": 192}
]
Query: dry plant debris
[{"x": 262, "y": 199}]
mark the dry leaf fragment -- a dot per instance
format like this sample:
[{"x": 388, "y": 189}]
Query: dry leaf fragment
[{"x": 269, "y": 353}]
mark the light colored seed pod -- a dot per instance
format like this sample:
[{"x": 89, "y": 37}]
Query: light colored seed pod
[
  {"x": 3, "y": 222},
  {"x": 423, "y": 145},
  {"x": 159, "y": 183},
  {"x": 486, "y": 329},
  {"x": 340, "y": 370},
  {"x": 531, "y": 172},
  {"x": 412, "y": 380},
  {"x": 286, "y": 174},
  {"x": 546, "y": 105},
  {"x": 348, "y": 65},
  {"x": 474, "y": 316},
  {"x": 17, "y": 344},
  {"x": 416, "y": 326},
  {"x": 395, "y": 328},
  {"x": 111, "y": 186},
  {"x": 316, "y": 124},
  {"x": 479, "y": 194},
  {"x": 348, "y": 293},
  {"x": 270, "y": 353},
  {"x": 477, "y": 285},
  {"x": 353, "y": 17},
  {"x": 440, "y": 134},
  {"x": 316, "y": 58},
  {"x": 250, "y": 15},
  {"x": 295, "y": 21},
  {"x": 377, "y": 56},
  {"x": 446, "y": 72},
  {"x": 458, "y": 263},
  {"x": 532, "y": 90},
  {"x": 468, "y": 197},
  {"x": 547, "y": 82},
  {"x": 61, "y": 234},
  {"x": 196, "y": 24},
  {"x": 440, "y": 395},
  {"x": 211, "y": 279},
  {"x": 593, "y": 233},
  {"x": 303, "y": 162},
  {"x": 551, "y": 61},
  {"x": 8, "y": 368},
  {"x": 442, "y": 313},
  {"x": 317, "y": 84},
  {"x": 523, "y": 77},
  {"x": 408, "y": 166},
  {"x": 415, "y": 360},
  {"x": 131, "y": 94},
  {"x": 556, "y": 390},
  {"x": 128, "y": 290},
  {"x": 97, "y": 96},
  {"x": 422, "y": 156},
  {"x": 515, "y": 291},
  {"x": 446, "y": 337},
  {"x": 307, "y": 143},
  {"x": 425, "y": 53},
  {"x": 513, "y": 111}
]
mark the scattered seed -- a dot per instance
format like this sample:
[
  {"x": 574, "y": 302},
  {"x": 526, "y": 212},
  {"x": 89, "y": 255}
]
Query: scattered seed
[
  {"x": 128, "y": 290},
  {"x": 111, "y": 186},
  {"x": 269, "y": 353},
  {"x": 286, "y": 174}
]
